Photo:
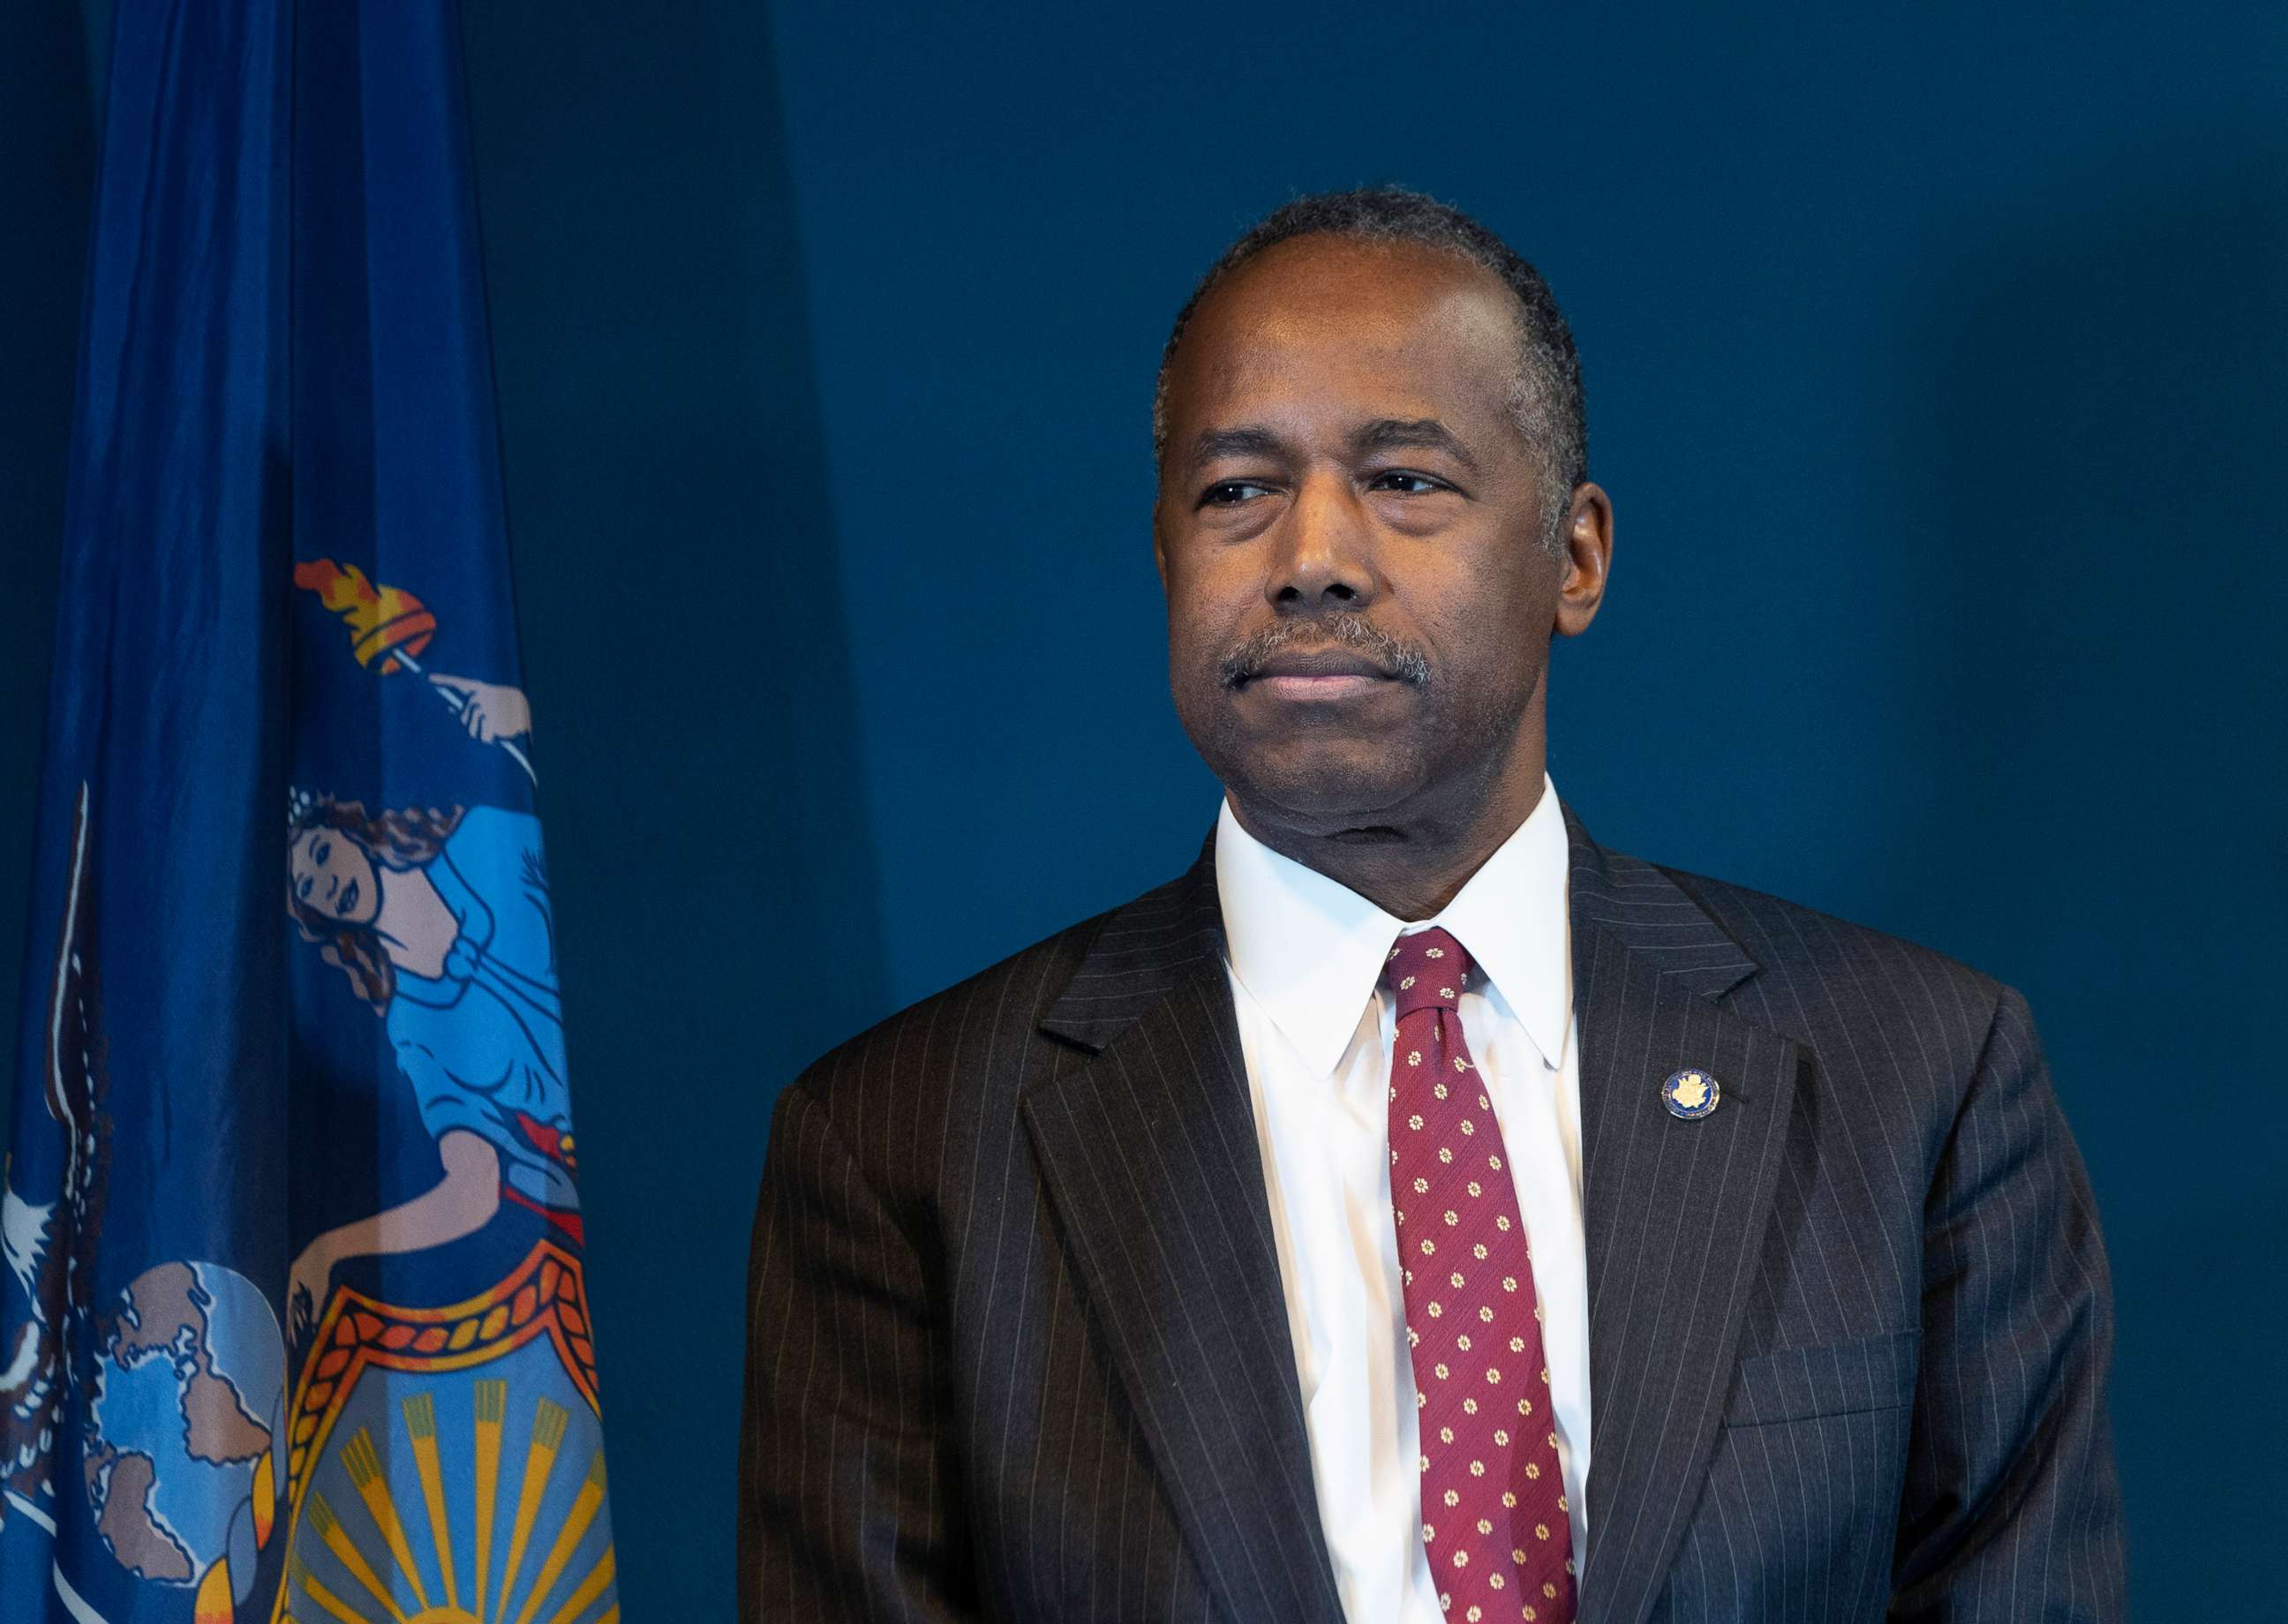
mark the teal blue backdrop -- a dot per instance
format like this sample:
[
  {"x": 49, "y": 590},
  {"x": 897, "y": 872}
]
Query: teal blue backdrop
[{"x": 1936, "y": 363}]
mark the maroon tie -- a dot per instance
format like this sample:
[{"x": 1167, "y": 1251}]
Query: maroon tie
[{"x": 1493, "y": 1500}]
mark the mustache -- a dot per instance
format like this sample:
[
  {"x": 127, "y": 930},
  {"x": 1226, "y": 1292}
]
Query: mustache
[{"x": 1399, "y": 659}]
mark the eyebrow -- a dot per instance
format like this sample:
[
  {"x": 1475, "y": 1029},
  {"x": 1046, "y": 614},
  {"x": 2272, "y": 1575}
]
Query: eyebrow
[
  {"x": 1382, "y": 434},
  {"x": 1213, "y": 443},
  {"x": 1413, "y": 433}
]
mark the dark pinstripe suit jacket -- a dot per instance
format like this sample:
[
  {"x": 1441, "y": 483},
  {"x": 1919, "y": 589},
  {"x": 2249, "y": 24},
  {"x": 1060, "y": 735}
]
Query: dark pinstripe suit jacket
[{"x": 1017, "y": 1346}]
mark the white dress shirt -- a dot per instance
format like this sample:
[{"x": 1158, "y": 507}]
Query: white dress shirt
[{"x": 1315, "y": 1026}]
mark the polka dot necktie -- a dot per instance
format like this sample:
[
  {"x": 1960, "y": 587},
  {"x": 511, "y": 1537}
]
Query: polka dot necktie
[{"x": 1494, "y": 1516}]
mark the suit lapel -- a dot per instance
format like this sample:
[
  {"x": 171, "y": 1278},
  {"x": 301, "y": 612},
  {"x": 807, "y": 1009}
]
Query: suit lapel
[
  {"x": 1675, "y": 1210},
  {"x": 1148, "y": 1150}
]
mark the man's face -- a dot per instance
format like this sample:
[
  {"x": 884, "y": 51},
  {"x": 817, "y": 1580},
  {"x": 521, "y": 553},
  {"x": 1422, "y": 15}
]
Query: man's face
[{"x": 1350, "y": 531}]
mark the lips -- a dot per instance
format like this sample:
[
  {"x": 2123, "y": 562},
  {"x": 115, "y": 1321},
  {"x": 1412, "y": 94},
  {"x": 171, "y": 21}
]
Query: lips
[
  {"x": 1322, "y": 662},
  {"x": 1317, "y": 677}
]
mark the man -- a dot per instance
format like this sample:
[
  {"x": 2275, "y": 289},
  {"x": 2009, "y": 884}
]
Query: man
[{"x": 1417, "y": 1211}]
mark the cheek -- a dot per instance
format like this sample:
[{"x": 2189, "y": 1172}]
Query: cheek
[
  {"x": 1486, "y": 626},
  {"x": 1206, "y": 604}
]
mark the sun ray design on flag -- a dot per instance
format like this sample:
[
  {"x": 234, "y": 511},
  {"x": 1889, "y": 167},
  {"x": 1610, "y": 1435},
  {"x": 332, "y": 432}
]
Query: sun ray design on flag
[
  {"x": 459, "y": 1501},
  {"x": 398, "y": 1590}
]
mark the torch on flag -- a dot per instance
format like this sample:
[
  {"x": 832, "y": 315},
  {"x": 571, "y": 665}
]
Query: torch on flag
[
  {"x": 295, "y": 1319},
  {"x": 388, "y": 626}
]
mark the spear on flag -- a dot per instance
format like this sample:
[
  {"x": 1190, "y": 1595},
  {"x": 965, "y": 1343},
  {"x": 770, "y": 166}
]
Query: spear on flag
[{"x": 388, "y": 626}]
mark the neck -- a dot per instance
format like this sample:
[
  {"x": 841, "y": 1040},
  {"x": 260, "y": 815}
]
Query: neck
[
  {"x": 1413, "y": 862},
  {"x": 406, "y": 901}
]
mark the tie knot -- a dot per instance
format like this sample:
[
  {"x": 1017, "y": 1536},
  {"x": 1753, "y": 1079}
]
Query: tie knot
[{"x": 1427, "y": 969}]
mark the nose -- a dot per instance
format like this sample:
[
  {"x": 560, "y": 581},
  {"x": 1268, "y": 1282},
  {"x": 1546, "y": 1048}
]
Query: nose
[{"x": 1326, "y": 565}]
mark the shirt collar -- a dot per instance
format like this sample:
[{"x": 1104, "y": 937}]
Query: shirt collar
[{"x": 1311, "y": 950}]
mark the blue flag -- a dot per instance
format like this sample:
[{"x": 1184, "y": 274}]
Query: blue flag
[{"x": 294, "y": 1323}]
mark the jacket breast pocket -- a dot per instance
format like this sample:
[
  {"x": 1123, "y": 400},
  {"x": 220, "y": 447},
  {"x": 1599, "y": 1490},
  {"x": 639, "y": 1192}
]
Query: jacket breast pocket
[{"x": 1843, "y": 1378}]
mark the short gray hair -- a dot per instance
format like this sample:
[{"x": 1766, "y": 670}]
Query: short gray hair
[{"x": 1546, "y": 399}]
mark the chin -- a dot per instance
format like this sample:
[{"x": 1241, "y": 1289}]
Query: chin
[{"x": 1326, "y": 788}]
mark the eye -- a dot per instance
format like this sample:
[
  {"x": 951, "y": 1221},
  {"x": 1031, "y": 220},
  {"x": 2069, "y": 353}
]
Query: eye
[
  {"x": 318, "y": 852},
  {"x": 1406, "y": 483},
  {"x": 1231, "y": 493},
  {"x": 303, "y": 890}
]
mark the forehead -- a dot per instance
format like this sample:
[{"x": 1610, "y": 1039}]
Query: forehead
[{"x": 1337, "y": 328}]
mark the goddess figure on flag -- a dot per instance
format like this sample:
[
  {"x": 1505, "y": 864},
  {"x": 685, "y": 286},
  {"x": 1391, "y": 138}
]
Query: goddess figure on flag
[
  {"x": 449, "y": 1412},
  {"x": 441, "y": 921}
]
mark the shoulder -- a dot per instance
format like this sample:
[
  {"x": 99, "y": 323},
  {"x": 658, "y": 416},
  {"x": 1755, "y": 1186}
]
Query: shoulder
[
  {"x": 1798, "y": 943},
  {"x": 489, "y": 824},
  {"x": 1864, "y": 1000},
  {"x": 954, "y": 1064},
  {"x": 1806, "y": 968},
  {"x": 968, "y": 1020},
  {"x": 1897, "y": 1041}
]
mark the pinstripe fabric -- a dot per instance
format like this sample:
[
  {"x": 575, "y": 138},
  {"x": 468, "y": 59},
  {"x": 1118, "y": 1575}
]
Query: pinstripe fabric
[{"x": 1016, "y": 1345}]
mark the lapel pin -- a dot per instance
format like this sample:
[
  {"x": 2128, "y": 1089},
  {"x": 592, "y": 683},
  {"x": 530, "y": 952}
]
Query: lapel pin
[{"x": 1691, "y": 1094}]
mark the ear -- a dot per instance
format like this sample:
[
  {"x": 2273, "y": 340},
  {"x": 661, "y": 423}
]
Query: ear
[{"x": 1588, "y": 559}]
